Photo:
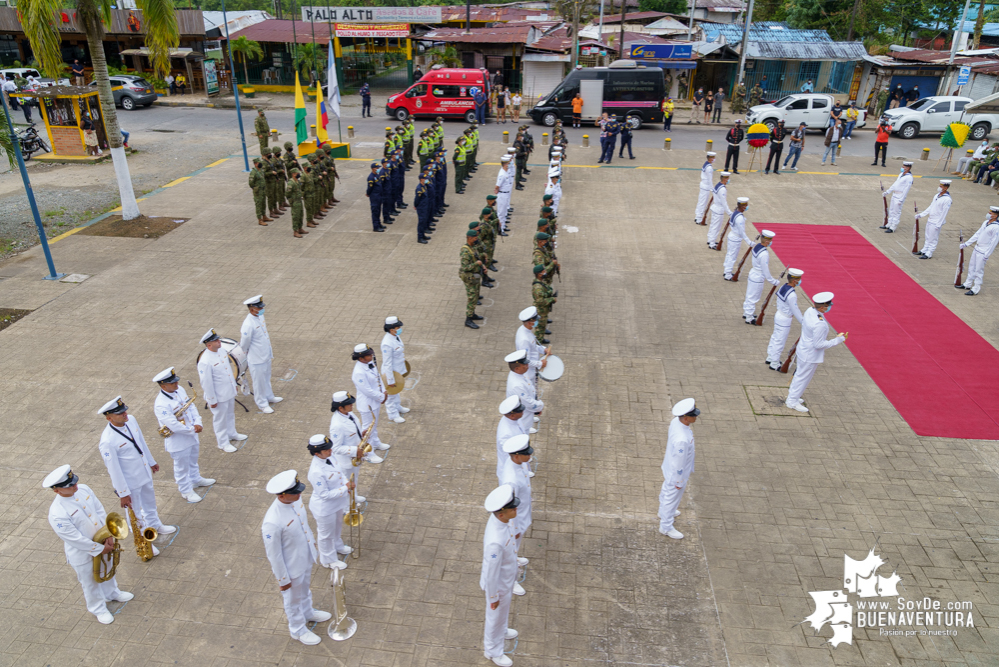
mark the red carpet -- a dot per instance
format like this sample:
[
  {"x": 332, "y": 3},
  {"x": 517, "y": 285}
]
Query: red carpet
[{"x": 937, "y": 371}]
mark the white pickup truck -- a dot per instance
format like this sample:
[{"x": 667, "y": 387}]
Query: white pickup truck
[
  {"x": 809, "y": 108},
  {"x": 934, "y": 114}
]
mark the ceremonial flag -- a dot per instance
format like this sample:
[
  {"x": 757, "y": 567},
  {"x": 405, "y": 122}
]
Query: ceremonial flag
[
  {"x": 301, "y": 131},
  {"x": 321, "y": 119},
  {"x": 332, "y": 85}
]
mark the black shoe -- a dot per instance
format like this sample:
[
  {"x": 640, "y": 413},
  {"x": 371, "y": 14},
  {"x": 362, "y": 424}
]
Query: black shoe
[
  {"x": 470, "y": 324},
  {"x": 735, "y": 171},
  {"x": 889, "y": 231},
  {"x": 599, "y": 161},
  {"x": 874, "y": 164},
  {"x": 921, "y": 256},
  {"x": 492, "y": 267},
  {"x": 547, "y": 332},
  {"x": 446, "y": 205},
  {"x": 423, "y": 240},
  {"x": 403, "y": 206},
  {"x": 489, "y": 286},
  {"x": 504, "y": 234},
  {"x": 776, "y": 173},
  {"x": 882, "y": 164},
  {"x": 379, "y": 229},
  {"x": 520, "y": 187},
  {"x": 883, "y": 227},
  {"x": 767, "y": 171},
  {"x": 632, "y": 157},
  {"x": 969, "y": 293},
  {"x": 477, "y": 317},
  {"x": 961, "y": 286},
  {"x": 527, "y": 171},
  {"x": 545, "y": 341}
]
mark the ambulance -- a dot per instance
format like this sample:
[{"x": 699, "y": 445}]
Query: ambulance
[{"x": 442, "y": 92}]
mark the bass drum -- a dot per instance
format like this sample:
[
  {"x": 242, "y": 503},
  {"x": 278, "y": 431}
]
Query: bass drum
[
  {"x": 553, "y": 370},
  {"x": 237, "y": 358}
]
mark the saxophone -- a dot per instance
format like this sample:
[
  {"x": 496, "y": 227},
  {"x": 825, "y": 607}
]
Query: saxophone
[
  {"x": 143, "y": 537},
  {"x": 179, "y": 413}
]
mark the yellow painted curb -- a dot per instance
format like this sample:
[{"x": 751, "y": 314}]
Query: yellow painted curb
[
  {"x": 177, "y": 182},
  {"x": 217, "y": 163}
]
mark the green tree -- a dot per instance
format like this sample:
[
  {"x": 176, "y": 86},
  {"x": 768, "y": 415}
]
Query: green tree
[
  {"x": 6, "y": 142},
  {"x": 665, "y": 6},
  {"x": 309, "y": 56},
  {"x": 41, "y": 21},
  {"x": 246, "y": 48}
]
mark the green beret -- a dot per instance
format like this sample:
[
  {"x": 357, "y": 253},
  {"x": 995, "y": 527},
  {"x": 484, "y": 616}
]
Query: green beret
[
  {"x": 543, "y": 222},
  {"x": 486, "y": 210},
  {"x": 473, "y": 225},
  {"x": 546, "y": 197},
  {"x": 289, "y": 145},
  {"x": 546, "y": 209},
  {"x": 490, "y": 197},
  {"x": 539, "y": 268},
  {"x": 541, "y": 236},
  {"x": 471, "y": 232}
]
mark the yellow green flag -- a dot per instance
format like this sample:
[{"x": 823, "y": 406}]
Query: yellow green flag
[{"x": 301, "y": 131}]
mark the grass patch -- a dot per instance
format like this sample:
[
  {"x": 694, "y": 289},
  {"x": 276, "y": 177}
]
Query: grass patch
[
  {"x": 139, "y": 228},
  {"x": 9, "y": 316}
]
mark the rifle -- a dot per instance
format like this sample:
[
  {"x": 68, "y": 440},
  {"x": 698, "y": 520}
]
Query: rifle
[
  {"x": 915, "y": 232},
  {"x": 885, "y": 200},
  {"x": 721, "y": 237},
  {"x": 787, "y": 363},
  {"x": 759, "y": 318},
  {"x": 707, "y": 211},
  {"x": 735, "y": 276},
  {"x": 960, "y": 264}
]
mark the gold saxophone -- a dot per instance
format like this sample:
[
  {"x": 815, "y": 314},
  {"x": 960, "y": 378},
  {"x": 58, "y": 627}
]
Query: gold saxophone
[
  {"x": 143, "y": 537},
  {"x": 178, "y": 413},
  {"x": 115, "y": 527},
  {"x": 363, "y": 445}
]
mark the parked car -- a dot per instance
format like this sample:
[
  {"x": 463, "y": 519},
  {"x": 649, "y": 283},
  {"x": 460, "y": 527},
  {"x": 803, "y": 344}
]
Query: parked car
[
  {"x": 443, "y": 91},
  {"x": 809, "y": 108},
  {"x": 13, "y": 72},
  {"x": 131, "y": 91},
  {"x": 934, "y": 114}
]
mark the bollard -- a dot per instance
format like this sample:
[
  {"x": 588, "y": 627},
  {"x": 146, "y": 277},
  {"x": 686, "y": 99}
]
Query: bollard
[
  {"x": 506, "y": 137},
  {"x": 668, "y": 144},
  {"x": 350, "y": 131},
  {"x": 274, "y": 136},
  {"x": 586, "y": 141},
  {"x": 544, "y": 138},
  {"x": 312, "y": 130},
  {"x": 926, "y": 155},
  {"x": 709, "y": 145}
]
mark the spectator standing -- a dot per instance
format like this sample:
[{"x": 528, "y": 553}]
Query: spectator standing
[
  {"x": 479, "y": 97},
  {"x": 734, "y": 139},
  {"x": 835, "y": 113},
  {"x": 89, "y": 136},
  {"x": 417, "y": 74},
  {"x": 668, "y": 109},
  {"x": 776, "y": 147},
  {"x": 695, "y": 107},
  {"x": 497, "y": 79},
  {"x": 365, "y": 93},
  {"x": 797, "y": 142},
  {"x": 897, "y": 97},
  {"x": 9, "y": 88},
  {"x": 709, "y": 105},
  {"x": 807, "y": 87},
  {"x": 912, "y": 96},
  {"x": 626, "y": 140},
  {"x": 881, "y": 141},
  {"x": 501, "y": 97},
  {"x": 79, "y": 78},
  {"x": 833, "y": 134},
  {"x": 577, "y": 110},
  {"x": 851, "y": 121},
  {"x": 719, "y": 98},
  {"x": 515, "y": 101}
]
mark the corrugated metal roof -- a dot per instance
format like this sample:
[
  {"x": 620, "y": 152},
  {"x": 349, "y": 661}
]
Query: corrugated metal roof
[
  {"x": 496, "y": 14},
  {"x": 735, "y": 5},
  {"x": 519, "y": 33},
  {"x": 767, "y": 31},
  {"x": 281, "y": 31},
  {"x": 938, "y": 57},
  {"x": 633, "y": 16},
  {"x": 806, "y": 50}
]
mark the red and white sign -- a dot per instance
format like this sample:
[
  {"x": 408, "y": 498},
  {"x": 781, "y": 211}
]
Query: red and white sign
[{"x": 372, "y": 30}]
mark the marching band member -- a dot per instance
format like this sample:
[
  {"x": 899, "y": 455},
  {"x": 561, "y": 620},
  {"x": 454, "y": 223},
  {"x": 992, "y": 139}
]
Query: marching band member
[
  {"x": 518, "y": 384},
  {"x": 76, "y": 514},
  {"x": 787, "y": 311},
  {"x": 370, "y": 394},
  {"x": 518, "y": 452},
  {"x": 499, "y": 571},
  {"x": 131, "y": 466},
  {"x": 291, "y": 550},
  {"x": 812, "y": 348},
  {"x": 256, "y": 342},
  {"x": 330, "y": 500},
  {"x": 183, "y": 445},
  {"x": 510, "y": 425},
  {"x": 757, "y": 275},
  {"x": 393, "y": 361},
  {"x": 678, "y": 463},
  {"x": 345, "y": 436},
  {"x": 219, "y": 389}
]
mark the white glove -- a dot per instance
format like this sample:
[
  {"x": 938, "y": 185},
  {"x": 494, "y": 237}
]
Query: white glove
[
  {"x": 918, "y": 216},
  {"x": 963, "y": 246},
  {"x": 884, "y": 195}
]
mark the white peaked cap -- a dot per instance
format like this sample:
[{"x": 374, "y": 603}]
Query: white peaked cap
[
  {"x": 282, "y": 481},
  {"x": 822, "y": 297},
  {"x": 528, "y": 313},
  {"x": 60, "y": 474},
  {"x": 767, "y": 233},
  {"x": 683, "y": 407},
  {"x": 796, "y": 273},
  {"x": 515, "y": 356},
  {"x": 498, "y": 498},
  {"x": 509, "y": 404},
  {"x": 361, "y": 347},
  {"x": 254, "y": 299},
  {"x": 516, "y": 443},
  {"x": 392, "y": 319}
]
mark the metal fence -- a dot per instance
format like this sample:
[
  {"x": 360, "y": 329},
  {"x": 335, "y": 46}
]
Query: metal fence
[{"x": 784, "y": 77}]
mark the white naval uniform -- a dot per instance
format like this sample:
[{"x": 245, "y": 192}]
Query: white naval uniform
[
  {"x": 521, "y": 385},
  {"x": 555, "y": 190},
  {"x": 754, "y": 285},
  {"x": 184, "y": 445},
  {"x": 678, "y": 463},
  {"x": 499, "y": 574},
  {"x": 704, "y": 193},
  {"x": 506, "y": 429},
  {"x": 899, "y": 189},
  {"x": 787, "y": 311},
  {"x": 345, "y": 434},
  {"x": 76, "y": 520},
  {"x": 393, "y": 359},
  {"x": 256, "y": 342},
  {"x": 219, "y": 388},
  {"x": 525, "y": 339},
  {"x": 291, "y": 550},
  {"x": 328, "y": 504},
  {"x": 368, "y": 385},
  {"x": 719, "y": 212},
  {"x": 936, "y": 214},
  {"x": 736, "y": 235},
  {"x": 516, "y": 476},
  {"x": 985, "y": 240},
  {"x": 129, "y": 462},
  {"x": 811, "y": 352},
  {"x": 504, "y": 181}
]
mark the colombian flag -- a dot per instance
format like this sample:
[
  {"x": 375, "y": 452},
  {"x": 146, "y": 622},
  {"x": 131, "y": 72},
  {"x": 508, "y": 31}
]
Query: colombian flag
[
  {"x": 322, "y": 120},
  {"x": 301, "y": 131}
]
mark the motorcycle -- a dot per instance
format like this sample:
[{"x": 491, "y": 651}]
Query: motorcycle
[{"x": 30, "y": 142}]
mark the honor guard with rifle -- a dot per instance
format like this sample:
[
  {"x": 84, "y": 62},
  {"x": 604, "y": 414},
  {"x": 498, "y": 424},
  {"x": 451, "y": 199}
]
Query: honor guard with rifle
[
  {"x": 499, "y": 571},
  {"x": 180, "y": 425},
  {"x": 736, "y": 235},
  {"x": 329, "y": 501},
  {"x": 291, "y": 550},
  {"x": 759, "y": 274},
  {"x": 131, "y": 466},
  {"x": 255, "y": 341},
  {"x": 705, "y": 188},
  {"x": 811, "y": 348},
  {"x": 518, "y": 453},
  {"x": 370, "y": 392},
  {"x": 511, "y": 423},
  {"x": 787, "y": 312},
  {"x": 78, "y": 517},
  {"x": 678, "y": 463},
  {"x": 349, "y": 441},
  {"x": 519, "y": 385},
  {"x": 898, "y": 191},
  {"x": 719, "y": 208},
  {"x": 985, "y": 240},
  {"x": 261, "y": 130},
  {"x": 936, "y": 214},
  {"x": 394, "y": 362},
  {"x": 470, "y": 273},
  {"x": 218, "y": 385}
]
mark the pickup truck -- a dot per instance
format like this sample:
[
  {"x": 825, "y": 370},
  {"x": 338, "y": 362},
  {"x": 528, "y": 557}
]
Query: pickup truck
[
  {"x": 809, "y": 108},
  {"x": 934, "y": 114}
]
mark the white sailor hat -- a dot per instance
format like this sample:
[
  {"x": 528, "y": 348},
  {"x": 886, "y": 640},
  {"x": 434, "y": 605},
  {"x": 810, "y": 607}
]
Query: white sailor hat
[
  {"x": 505, "y": 158},
  {"x": 340, "y": 399},
  {"x": 553, "y": 171},
  {"x": 557, "y": 149},
  {"x": 113, "y": 407},
  {"x": 742, "y": 200},
  {"x": 553, "y": 163},
  {"x": 945, "y": 181},
  {"x": 361, "y": 347},
  {"x": 285, "y": 482},
  {"x": 166, "y": 375},
  {"x": 685, "y": 408},
  {"x": 60, "y": 477},
  {"x": 711, "y": 154},
  {"x": 768, "y": 234},
  {"x": 795, "y": 273},
  {"x": 255, "y": 301},
  {"x": 511, "y": 150},
  {"x": 500, "y": 498},
  {"x": 510, "y": 404},
  {"x": 392, "y": 319},
  {"x": 519, "y": 355},
  {"x": 994, "y": 209},
  {"x": 518, "y": 444},
  {"x": 528, "y": 313},
  {"x": 906, "y": 164},
  {"x": 209, "y": 336},
  {"x": 822, "y": 297},
  {"x": 725, "y": 173},
  {"x": 319, "y": 443}
]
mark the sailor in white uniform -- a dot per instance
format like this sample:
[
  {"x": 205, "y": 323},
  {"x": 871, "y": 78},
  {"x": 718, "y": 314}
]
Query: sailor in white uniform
[
  {"x": 218, "y": 386},
  {"x": 183, "y": 445},
  {"x": 518, "y": 453},
  {"x": 510, "y": 425},
  {"x": 757, "y": 275},
  {"x": 504, "y": 186},
  {"x": 370, "y": 392},
  {"x": 811, "y": 348},
  {"x": 291, "y": 550},
  {"x": 678, "y": 463},
  {"x": 393, "y": 361},
  {"x": 936, "y": 214},
  {"x": 525, "y": 339},
  {"x": 898, "y": 191},
  {"x": 345, "y": 436},
  {"x": 720, "y": 210},
  {"x": 554, "y": 186},
  {"x": 330, "y": 500},
  {"x": 76, "y": 515},
  {"x": 256, "y": 343},
  {"x": 787, "y": 312},
  {"x": 736, "y": 235},
  {"x": 499, "y": 571},
  {"x": 131, "y": 466},
  {"x": 985, "y": 240},
  {"x": 518, "y": 384},
  {"x": 706, "y": 187}
]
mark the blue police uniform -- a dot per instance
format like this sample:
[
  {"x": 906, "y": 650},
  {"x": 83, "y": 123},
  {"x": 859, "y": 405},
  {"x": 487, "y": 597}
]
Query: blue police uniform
[
  {"x": 422, "y": 204},
  {"x": 374, "y": 193}
]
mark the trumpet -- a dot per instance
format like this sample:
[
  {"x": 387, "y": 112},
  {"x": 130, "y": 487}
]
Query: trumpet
[
  {"x": 143, "y": 537},
  {"x": 353, "y": 518},
  {"x": 179, "y": 412},
  {"x": 115, "y": 527}
]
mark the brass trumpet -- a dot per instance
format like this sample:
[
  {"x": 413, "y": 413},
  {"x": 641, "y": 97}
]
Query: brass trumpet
[
  {"x": 179, "y": 412},
  {"x": 116, "y": 528},
  {"x": 353, "y": 518},
  {"x": 143, "y": 537}
]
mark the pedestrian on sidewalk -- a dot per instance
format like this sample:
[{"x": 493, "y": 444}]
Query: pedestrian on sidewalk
[
  {"x": 776, "y": 146},
  {"x": 577, "y": 110},
  {"x": 719, "y": 99},
  {"x": 881, "y": 141},
  {"x": 833, "y": 135},
  {"x": 851, "y": 120},
  {"x": 78, "y": 74},
  {"x": 734, "y": 139},
  {"x": 626, "y": 140},
  {"x": 365, "y": 93},
  {"x": 695, "y": 108},
  {"x": 501, "y": 104},
  {"x": 709, "y": 105},
  {"x": 796, "y": 144},
  {"x": 668, "y": 108}
]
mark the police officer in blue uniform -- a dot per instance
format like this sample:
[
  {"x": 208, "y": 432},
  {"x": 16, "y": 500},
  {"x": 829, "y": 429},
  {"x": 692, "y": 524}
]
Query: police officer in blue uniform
[
  {"x": 422, "y": 204},
  {"x": 402, "y": 168},
  {"x": 374, "y": 195},
  {"x": 388, "y": 197}
]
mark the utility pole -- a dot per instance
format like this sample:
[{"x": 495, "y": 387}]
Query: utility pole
[
  {"x": 468, "y": 16},
  {"x": 620, "y": 46},
  {"x": 745, "y": 42},
  {"x": 955, "y": 40},
  {"x": 853, "y": 16},
  {"x": 575, "y": 34},
  {"x": 690, "y": 21}
]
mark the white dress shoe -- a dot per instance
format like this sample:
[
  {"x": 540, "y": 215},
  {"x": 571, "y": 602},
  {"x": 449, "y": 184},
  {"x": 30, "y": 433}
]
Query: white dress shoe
[
  {"x": 532, "y": 430},
  {"x": 536, "y": 420},
  {"x": 403, "y": 410},
  {"x": 319, "y": 616},
  {"x": 105, "y": 617},
  {"x": 382, "y": 446},
  {"x": 337, "y": 564},
  {"x": 276, "y": 399},
  {"x": 518, "y": 589},
  {"x": 240, "y": 437},
  {"x": 205, "y": 481},
  {"x": 166, "y": 530},
  {"x": 345, "y": 550},
  {"x": 500, "y": 660},
  {"x": 510, "y": 634},
  {"x": 676, "y": 512},
  {"x": 359, "y": 498},
  {"x": 122, "y": 596},
  {"x": 797, "y": 406},
  {"x": 371, "y": 457},
  {"x": 674, "y": 533},
  {"x": 399, "y": 420},
  {"x": 308, "y": 638},
  {"x": 156, "y": 552},
  {"x": 521, "y": 561},
  {"x": 228, "y": 449},
  {"x": 192, "y": 497},
  {"x": 268, "y": 410}
]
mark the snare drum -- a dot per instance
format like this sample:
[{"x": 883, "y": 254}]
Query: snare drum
[{"x": 553, "y": 369}]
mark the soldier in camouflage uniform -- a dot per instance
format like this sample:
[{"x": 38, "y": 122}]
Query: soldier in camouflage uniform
[
  {"x": 470, "y": 274},
  {"x": 333, "y": 175},
  {"x": 544, "y": 298},
  {"x": 295, "y": 194},
  {"x": 755, "y": 95},
  {"x": 261, "y": 129},
  {"x": 548, "y": 213},
  {"x": 739, "y": 99},
  {"x": 289, "y": 156},
  {"x": 270, "y": 177},
  {"x": 482, "y": 250},
  {"x": 258, "y": 184},
  {"x": 308, "y": 184},
  {"x": 321, "y": 178},
  {"x": 487, "y": 233},
  {"x": 542, "y": 256}
]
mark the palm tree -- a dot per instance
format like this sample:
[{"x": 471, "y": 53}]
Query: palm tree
[
  {"x": 246, "y": 48},
  {"x": 307, "y": 56},
  {"x": 41, "y": 21}
]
